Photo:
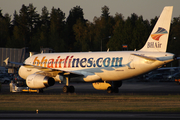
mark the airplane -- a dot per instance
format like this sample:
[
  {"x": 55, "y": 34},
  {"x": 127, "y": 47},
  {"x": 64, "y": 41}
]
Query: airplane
[{"x": 105, "y": 70}]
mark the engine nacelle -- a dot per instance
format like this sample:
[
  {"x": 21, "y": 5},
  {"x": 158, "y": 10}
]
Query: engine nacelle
[
  {"x": 38, "y": 81},
  {"x": 101, "y": 85}
]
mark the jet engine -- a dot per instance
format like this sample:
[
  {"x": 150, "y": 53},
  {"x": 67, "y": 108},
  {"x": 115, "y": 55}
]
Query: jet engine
[{"x": 38, "y": 81}]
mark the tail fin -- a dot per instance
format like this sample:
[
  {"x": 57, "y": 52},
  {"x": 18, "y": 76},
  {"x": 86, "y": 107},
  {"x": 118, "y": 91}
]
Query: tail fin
[{"x": 157, "y": 41}]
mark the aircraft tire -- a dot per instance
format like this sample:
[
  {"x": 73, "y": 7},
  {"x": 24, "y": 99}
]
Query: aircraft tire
[
  {"x": 71, "y": 89},
  {"x": 41, "y": 91},
  {"x": 65, "y": 89},
  {"x": 116, "y": 90},
  {"x": 109, "y": 90}
]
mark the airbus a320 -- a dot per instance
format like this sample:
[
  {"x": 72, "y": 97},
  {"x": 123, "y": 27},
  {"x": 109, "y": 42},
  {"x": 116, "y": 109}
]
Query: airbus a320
[{"x": 105, "y": 70}]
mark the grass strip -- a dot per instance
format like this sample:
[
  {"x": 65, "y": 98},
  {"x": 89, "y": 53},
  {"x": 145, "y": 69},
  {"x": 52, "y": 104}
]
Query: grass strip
[{"x": 94, "y": 102}]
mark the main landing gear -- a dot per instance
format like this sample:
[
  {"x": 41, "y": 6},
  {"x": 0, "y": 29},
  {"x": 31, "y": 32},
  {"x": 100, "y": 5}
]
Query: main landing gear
[
  {"x": 114, "y": 87},
  {"x": 67, "y": 88}
]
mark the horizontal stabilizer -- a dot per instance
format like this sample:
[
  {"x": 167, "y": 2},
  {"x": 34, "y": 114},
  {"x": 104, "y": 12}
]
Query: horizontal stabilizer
[
  {"x": 163, "y": 58},
  {"x": 146, "y": 57}
]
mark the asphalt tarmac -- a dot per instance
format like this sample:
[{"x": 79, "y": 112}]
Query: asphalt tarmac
[
  {"x": 161, "y": 88},
  {"x": 128, "y": 87},
  {"x": 89, "y": 116}
]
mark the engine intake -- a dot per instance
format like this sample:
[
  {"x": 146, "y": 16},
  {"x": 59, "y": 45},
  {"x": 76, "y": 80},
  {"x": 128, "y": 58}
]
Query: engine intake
[
  {"x": 38, "y": 81},
  {"x": 48, "y": 81}
]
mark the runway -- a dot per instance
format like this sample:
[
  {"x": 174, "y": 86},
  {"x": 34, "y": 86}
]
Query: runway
[
  {"x": 152, "y": 88},
  {"x": 162, "y": 88},
  {"x": 128, "y": 87},
  {"x": 89, "y": 116}
]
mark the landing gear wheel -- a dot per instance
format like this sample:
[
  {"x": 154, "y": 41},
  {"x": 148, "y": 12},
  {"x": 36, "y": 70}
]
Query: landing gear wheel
[
  {"x": 109, "y": 90},
  {"x": 112, "y": 90},
  {"x": 116, "y": 90},
  {"x": 65, "y": 89},
  {"x": 40, "y": 91},
  {"x": 71, "y": 89}
]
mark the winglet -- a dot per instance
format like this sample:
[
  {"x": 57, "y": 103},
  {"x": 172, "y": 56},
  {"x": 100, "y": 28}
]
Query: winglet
[{"x": 6, "y": 61}]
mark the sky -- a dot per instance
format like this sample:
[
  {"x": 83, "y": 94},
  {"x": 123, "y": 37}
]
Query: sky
[{"x": 91, "y": 8}]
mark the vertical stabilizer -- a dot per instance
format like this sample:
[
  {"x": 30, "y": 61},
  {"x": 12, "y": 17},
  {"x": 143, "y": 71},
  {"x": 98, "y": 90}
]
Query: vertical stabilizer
[{"x": 158, "y": 39}]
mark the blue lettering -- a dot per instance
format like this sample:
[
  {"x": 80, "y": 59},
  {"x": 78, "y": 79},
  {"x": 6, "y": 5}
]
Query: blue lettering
[
  {"x": 94, "y": 64},
  {"x": 100, "y": 62},
  {"x": 120, "y": 61},
  {"x": 90, "y": 62},
  {"x": 97, "y": 62},
  {"x": 83, "y": 60},
  {"x": 116, "y": 60},
  {"x": 106, "y": 62},
  {"x": 112, "y": 63},
  {"x": 77, "y": 62}
]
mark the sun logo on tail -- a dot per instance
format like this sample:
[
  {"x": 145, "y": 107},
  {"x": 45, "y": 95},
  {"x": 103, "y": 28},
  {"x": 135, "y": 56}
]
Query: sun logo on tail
[{"x": 159, "y": 33}]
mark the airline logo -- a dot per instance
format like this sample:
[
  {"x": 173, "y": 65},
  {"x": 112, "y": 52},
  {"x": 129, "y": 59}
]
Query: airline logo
[
  {"x": 159, "y": 33},
  {"x": 156, "y": 36},
  {"x": 71, "y": 62}
]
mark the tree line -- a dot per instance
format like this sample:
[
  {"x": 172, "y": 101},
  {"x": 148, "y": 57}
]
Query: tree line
[{"x": 75, "y": 33}]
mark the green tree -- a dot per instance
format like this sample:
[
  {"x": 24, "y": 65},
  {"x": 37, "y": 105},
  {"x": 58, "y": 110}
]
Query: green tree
[
  {"x": 57, "y": 24},
  {"x": 174, "y": 37},
  {"x": 103, "y": 29},
  {"x": 116, "y": 41},
  {"x": 44, "y": 28},
  {"x": 15, "y": 39},
  {"x": 140, "y": 33},
  {"x": 132, "y": 32},
  {"x": 23, "y": 27},
  {"x": 33, "y": 27},
  {"x": 75, "y": 14},
  {"x": 4, "y": 29},
  {"x": 83, "y": 35},
  {"x": 105, "y": 12},
  {"x": 153, "y": 22}
]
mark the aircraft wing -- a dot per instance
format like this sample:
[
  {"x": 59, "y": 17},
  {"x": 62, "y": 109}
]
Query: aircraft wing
[
  {"x": 16, "y": 63},
  {"x": 54, "y": 71},
  {"x": 45, "y": 70}
]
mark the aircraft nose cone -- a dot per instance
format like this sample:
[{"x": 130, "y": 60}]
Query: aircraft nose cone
[{"x": 21, "y": 72}]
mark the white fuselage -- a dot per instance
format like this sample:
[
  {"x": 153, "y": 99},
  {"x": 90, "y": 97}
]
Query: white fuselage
[{"x": 109, "y": 66}]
